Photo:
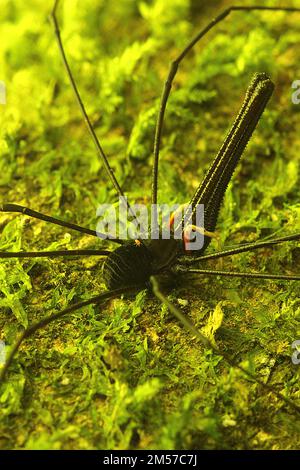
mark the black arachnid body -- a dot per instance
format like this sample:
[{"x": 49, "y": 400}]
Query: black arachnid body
[{"x": 133, "y": 263}]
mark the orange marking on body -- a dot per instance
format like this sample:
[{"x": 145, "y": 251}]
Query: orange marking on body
[
  {"x": 179, "y": 209},
  {"x": 171, "y": 221},
  {"x": 186, "y": 238}
]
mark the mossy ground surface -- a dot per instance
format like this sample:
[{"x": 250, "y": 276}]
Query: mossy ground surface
[{"x": 126, "y": 374}]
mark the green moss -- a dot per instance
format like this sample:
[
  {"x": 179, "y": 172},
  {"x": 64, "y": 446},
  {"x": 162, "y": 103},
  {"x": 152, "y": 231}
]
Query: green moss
[{"x": 125, "y": 374}]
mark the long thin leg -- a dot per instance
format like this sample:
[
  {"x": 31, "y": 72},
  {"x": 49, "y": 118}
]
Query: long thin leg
[
  {"x": 90, "y": 127},
  {"x": 212, "y": 272},
  {"x": 186, "y": 322},
  {"x": 52, "y": 220},
  {"x": 172, "y": 73},
  {"x": 50, "y": 318},
  {"x": 188, "y": 260},
  {"x": 98, "y": 146},
  {"x": 53, "y": 254}
]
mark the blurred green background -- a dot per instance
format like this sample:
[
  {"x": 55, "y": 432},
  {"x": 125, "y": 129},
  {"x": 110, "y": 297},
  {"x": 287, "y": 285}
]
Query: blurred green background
[{"x": 126, "y": 375}]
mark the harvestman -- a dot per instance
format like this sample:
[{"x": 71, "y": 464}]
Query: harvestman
[{"x": 135, "y": 265}]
